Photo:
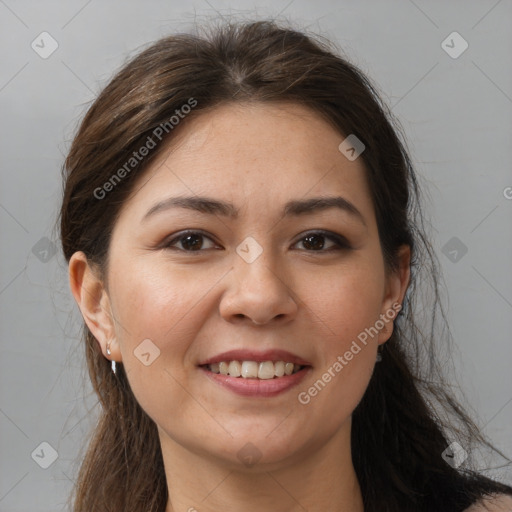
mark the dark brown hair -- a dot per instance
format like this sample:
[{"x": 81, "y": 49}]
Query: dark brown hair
[{"x": 407, "y": 416}]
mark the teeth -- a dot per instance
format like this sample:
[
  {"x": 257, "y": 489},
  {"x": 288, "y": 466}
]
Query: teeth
[
  {"x": 279, "y": 368},
  {"x": 288, "y": 368},
  {"x": 234, "y": 369},
  {"x": 249, "y": 369},
  {"x": 266, "y": 370},
  {"x": 223, "y": 368},
  {"x": 253, "y": 370}
]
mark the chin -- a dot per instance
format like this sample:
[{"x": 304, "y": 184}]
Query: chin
[{"x": 267, "y": 449}]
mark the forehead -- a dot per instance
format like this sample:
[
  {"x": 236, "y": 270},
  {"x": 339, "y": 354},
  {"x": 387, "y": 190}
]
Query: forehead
[{"x": 257, "y": 154}]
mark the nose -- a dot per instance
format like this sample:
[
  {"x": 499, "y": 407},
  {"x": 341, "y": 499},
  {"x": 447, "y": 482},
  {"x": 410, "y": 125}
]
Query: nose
[{"x": 258, "y": 293}]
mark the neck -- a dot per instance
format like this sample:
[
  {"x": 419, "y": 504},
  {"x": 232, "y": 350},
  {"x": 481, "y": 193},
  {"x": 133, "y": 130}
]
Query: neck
[{"x": 321, "y": 479}]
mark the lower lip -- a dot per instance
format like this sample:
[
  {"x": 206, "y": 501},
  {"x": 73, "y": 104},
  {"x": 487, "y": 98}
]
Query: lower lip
[{"x": 257, "y": 387}]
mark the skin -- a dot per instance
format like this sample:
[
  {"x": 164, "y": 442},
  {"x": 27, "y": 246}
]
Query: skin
[
  {"x": 194, "y": 305},
  {"x": 496, "y": 503}
]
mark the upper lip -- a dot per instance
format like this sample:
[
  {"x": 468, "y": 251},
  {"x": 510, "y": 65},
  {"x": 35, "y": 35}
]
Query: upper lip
[{"x": 257, "y": 356}]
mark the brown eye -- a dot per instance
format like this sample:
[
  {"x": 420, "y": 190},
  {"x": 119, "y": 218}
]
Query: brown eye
[
  {"x": 315, "y": 241},
  {"x": 191, "y": 241}
]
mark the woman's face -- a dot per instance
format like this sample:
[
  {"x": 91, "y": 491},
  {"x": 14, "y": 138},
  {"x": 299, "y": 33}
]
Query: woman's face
[{"x": 257, "y": 285}]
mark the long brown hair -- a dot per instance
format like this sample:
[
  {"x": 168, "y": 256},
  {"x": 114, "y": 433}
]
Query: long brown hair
[{"x": 412, "y": 414}]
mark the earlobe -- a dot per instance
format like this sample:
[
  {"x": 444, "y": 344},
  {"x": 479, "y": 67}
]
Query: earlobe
[
  {"x": 397, "y": 284},
  {"x": 94, "y": 303}
]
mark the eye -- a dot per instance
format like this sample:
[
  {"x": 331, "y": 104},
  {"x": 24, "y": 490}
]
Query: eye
[
  {"x": 191, "y": 241},
  {"x": 314, "y": 241}
]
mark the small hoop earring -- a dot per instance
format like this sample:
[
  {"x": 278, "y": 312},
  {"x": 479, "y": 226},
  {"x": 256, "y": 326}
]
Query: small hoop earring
[{"x": 109, "y": 352}]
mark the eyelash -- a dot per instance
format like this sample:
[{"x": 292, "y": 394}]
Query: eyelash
[{"x": 339, "y": 240}]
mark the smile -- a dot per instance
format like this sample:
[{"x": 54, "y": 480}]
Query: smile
[
  {"x": 256, "y": 373},
  {"x": 264, "y": 370}
]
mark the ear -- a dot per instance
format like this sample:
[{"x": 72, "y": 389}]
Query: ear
[
  {"x": 396, "y": 285},
  {"x": 91, "y": 296}
]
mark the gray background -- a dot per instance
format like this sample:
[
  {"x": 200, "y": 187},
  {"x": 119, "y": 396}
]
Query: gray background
[{"x": 455, "y": 112}]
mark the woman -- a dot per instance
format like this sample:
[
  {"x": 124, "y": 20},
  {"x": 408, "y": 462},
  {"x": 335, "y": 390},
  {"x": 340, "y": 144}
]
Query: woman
[{"x": 244, "y": 240}]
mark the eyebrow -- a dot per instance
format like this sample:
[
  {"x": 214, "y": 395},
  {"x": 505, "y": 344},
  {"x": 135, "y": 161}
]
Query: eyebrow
[{"x": 292, "y": 208}]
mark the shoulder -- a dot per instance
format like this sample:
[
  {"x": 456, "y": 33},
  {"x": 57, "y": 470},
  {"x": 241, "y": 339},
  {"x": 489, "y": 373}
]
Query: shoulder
[{"x": 498, "y": 503}]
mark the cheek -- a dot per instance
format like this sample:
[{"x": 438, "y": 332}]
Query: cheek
[
  {"x": 336, "y": 391},
  {"x": 348, "y": 302},
  {"x": 155, "y": 302},
  {"x": 156, "y": 313},
  {"x": 349, "y": 307},
  {"x": 347, "y": 360}
]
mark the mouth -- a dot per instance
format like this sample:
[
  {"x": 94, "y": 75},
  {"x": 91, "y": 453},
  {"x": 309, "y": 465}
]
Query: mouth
[
  {"x": 264, "y": 370},
  {"x": 251, "y": 373}
]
